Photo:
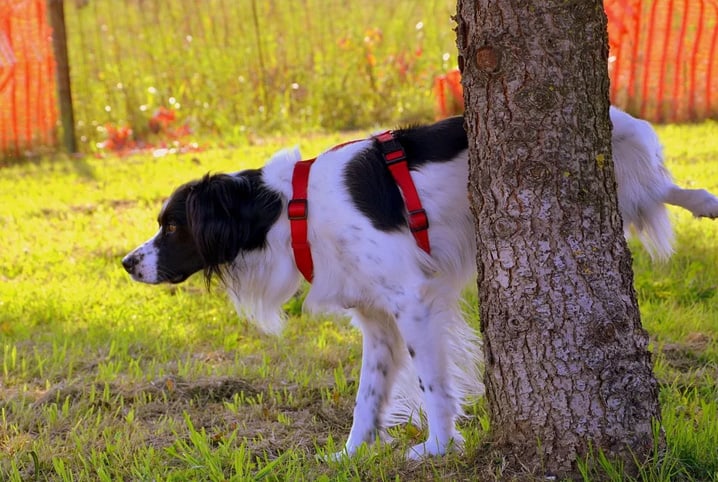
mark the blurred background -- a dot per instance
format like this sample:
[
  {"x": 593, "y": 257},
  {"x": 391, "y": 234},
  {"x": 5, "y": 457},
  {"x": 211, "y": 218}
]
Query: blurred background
[{"x": 150, "y": 72}]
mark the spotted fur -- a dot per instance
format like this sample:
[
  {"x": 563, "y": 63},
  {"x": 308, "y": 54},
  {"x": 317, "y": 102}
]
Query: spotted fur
[{"x": 420, "y": 359}]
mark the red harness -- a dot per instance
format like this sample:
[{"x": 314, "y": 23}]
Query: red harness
[{"x": 395, "y": 159}]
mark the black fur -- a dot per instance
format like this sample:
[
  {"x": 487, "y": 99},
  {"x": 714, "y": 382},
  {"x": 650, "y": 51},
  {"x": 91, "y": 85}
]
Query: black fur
[
  {"x": 177, "y": 255},
  {"x": 439, "y": 142},
  {"x": 374, "y": 192},
  {"x": 372, "y": 186},
  {"x": 216, "y": 218}
]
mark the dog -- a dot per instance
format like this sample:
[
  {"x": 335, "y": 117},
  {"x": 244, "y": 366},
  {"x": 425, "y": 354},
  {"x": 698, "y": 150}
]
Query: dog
[{"x": 420, "y": 358}]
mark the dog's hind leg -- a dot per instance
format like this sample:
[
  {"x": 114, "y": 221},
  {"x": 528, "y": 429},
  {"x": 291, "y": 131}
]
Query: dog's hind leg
[
  {"x": 421, "y": 327},
  {"x": 698, "y": 201},
  {"x": 380, "y": 362}
]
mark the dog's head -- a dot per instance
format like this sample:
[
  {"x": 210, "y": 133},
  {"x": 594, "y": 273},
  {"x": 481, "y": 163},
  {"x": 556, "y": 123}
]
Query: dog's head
[{"x": 204, "y": 225}]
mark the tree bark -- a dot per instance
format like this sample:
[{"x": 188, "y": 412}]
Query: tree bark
[{"x": 567, "y": 365}]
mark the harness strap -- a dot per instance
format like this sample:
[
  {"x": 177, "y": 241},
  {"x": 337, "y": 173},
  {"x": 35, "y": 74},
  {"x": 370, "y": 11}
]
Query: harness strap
[
  {"x": 297, "y": 208},
  {"x": 395, "y": 159},
  {"x": 297, "y": 212}
]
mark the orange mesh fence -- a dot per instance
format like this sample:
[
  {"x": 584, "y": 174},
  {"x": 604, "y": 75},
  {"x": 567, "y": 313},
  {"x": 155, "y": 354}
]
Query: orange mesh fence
[
  {"x": 663, "y": 65},
  {"x": 662, "y": 62},
  {"x": 28, "y": 109}
]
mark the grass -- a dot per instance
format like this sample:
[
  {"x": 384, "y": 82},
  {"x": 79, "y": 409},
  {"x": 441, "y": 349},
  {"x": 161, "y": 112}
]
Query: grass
[
  {"x": 106, "y": 379},
  {"x": 243, "y": 68}
]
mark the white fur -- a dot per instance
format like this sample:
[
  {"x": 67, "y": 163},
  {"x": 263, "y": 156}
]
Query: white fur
[
  {"x": 420, "y": 358},
  {"x": 400, "y": 297},
  {"x": 644, "y": 185},
  {"x": 259, "y": 282},
  {"x": 146, "y": 253}
]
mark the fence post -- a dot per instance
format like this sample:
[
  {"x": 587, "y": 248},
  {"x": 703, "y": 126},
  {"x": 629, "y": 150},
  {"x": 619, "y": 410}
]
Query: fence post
[{"x": 64, "y": 92}]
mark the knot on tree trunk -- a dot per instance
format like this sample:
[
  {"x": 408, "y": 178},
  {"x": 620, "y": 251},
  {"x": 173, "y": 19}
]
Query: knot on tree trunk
[{"x": 488, "y": 60}]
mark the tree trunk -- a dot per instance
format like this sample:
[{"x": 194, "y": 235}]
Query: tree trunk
[{"x": 567, "y": 366}]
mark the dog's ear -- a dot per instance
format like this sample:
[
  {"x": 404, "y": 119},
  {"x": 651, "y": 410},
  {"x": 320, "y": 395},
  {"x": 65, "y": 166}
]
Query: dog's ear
[
  {"x": 215, "y": 218},
  {"x": 228, "y": 214}
]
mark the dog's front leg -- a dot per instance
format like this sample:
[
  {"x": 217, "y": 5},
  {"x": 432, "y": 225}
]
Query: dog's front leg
[{"x": 380, "y": 340}]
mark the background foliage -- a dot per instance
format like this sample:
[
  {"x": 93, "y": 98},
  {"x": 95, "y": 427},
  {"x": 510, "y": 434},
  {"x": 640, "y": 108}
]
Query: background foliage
[{"x": 243, "y": 68}]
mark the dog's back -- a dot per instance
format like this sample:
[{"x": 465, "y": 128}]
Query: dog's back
[
  {"x": 417, "y": 348},
  {"x": 366, "y": 234}
]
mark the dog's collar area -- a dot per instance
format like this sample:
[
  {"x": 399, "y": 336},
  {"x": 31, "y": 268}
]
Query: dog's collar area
[{"x": 297, "y": 208}]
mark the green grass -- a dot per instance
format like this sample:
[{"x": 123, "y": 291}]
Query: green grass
[
  {"x": 106, "y": 379},
  {"x": 244, "y": 68}
]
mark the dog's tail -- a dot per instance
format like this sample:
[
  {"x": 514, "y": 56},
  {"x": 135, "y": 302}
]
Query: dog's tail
[
  {"x": 643, "y": 183},
  {"x": 653, "y": 227}
]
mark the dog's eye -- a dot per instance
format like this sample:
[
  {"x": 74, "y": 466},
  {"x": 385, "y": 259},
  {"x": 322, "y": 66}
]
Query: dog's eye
[{"x": 170, "y": 228}]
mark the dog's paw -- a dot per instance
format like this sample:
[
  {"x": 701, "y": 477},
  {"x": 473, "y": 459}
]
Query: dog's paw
[
  {"x": 707, "y": 207},
  {"x": 348, "y": 451},
  {"x": 433, "y": 447},
  {"x": 336, "y": 456},
  {"x": 385, "y": 438},
  {"x": 703, "y": 204}
]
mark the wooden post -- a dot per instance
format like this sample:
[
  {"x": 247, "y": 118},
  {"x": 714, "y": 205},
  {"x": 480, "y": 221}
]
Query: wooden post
[{"x": 64, "y": 91}]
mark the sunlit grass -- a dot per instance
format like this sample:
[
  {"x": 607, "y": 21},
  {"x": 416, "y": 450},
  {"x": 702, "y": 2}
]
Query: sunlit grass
[{"x": 106, "y": 379}]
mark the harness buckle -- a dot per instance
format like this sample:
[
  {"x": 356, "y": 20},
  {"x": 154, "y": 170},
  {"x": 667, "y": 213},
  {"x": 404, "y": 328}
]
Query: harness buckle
[
  {"x": 418, "y": 220},
  {"x": 297, "y": 209},
  {"x": 392, "y": 151},
  {"x": 394, "y": 156}
]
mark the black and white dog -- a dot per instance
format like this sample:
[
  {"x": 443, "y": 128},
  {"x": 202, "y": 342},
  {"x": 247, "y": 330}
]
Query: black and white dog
[{"x": 419, "y": 355}]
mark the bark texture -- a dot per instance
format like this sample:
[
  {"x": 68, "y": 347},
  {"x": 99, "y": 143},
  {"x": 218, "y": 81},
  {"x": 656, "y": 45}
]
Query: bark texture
[{"x": 567, "y": 365}]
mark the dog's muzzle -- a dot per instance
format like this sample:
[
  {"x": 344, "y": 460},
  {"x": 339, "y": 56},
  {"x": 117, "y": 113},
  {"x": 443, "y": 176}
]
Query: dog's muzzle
[{"x": 130, "y": 263}]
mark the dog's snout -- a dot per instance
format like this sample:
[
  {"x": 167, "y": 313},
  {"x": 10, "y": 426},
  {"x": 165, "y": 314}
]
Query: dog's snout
[{"x": 129, "y": 262}]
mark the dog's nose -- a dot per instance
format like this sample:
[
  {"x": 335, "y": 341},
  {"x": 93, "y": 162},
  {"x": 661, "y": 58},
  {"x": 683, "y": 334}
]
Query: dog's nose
[{"x": 129, "y": 262}]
